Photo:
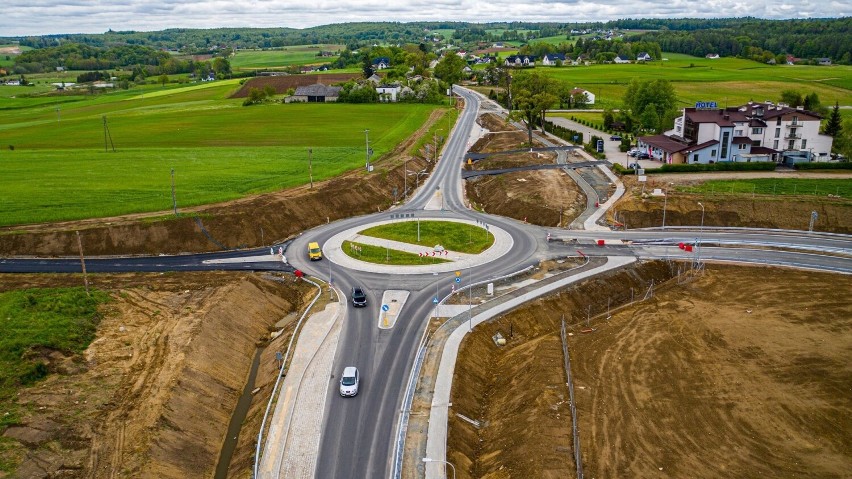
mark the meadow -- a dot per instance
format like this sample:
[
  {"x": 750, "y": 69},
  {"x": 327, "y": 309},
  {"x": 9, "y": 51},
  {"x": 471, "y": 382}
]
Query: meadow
[
  {"x": 282, "y": 57},
  {"x": 460, "y": 237},
  {"x": 379, "y": 255},
  {"x": 773, "y": 186},
  {"x": 219, "y": 149}
]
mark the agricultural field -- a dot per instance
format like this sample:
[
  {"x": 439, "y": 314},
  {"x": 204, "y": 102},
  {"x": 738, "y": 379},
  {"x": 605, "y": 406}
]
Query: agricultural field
[
  {"x": 51, "y": 155},
  {"x": 728, "y": 81},
  {"x": 285, "y": 56}
]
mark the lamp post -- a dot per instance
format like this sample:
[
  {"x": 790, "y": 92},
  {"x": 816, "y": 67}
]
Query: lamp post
[
  {"x": 665, "y": 203},
  {"x": 426, "y": 459},
  {"x": 367, "y": 151},
  {"x": 701, "y": 230},
  {"x": 702, "y": 215},
  {"x": 405, "y": 180}
]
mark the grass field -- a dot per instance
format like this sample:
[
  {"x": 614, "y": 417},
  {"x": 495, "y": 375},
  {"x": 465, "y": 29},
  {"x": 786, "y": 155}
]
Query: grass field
[
  {"x": 460, "y": 237},
  {"x": 379, "y": 255},
  {"x": 728, "y": 81},
  {"x": 285, "y": 56},
  {"x": 773, "y": 186},
  {"x": 219, "y": 149}
]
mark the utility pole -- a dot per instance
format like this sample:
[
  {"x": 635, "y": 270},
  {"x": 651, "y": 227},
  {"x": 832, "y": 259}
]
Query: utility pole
[
  {"x": 367, "y": 151},
  {"x": 83, "y": 263},
  {"x": 405, "y": 180},
  {"x": 174, "y": 198},
  {"x": 311, "y": 166}
]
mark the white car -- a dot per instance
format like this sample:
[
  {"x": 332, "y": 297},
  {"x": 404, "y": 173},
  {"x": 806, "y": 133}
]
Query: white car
[{"x": 349, "y": 382}]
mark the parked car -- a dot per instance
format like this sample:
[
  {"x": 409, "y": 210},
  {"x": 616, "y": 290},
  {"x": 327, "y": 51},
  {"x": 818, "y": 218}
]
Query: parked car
[
  {"x": 633, "y": 152},
  {"x": 349, "y": 382},
  {"x": 615, "y": 138},
  {"x": 359, "y": 299},
  {"x": 643, "y": 156}
]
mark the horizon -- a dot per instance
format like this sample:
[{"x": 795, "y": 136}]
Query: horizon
[{"x": 23, "y": 18}]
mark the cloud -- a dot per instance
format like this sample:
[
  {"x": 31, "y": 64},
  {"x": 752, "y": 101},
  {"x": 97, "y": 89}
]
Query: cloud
[{"x": 39, "y": 17}]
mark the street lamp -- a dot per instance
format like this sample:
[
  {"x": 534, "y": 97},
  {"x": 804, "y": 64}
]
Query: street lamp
[
  {"x": 702, "y": 214},
  {"x": 367, "y": 151},
  {"x": 426, "y": 459},
  {"x": 665, "y": 203},
  {"x": 698, "y": 249}
]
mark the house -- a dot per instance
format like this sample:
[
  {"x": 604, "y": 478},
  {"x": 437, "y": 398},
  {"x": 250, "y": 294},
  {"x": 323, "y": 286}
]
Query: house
[
  {"x": 590, "y": 97},
  {"x": 551, "y": 59},
  {"x": 210, "y": 77},
  {"x": 388, "y": 93},
  {"x": 643, "y": 57},
  {"x": 622, "y": 59},
  {"x": 520, "y": 61},
  {"x": 712, "y": 56},
  {"x": 824, "y": 61},
  {"x": 467, "y": 70},
  {"x": 375, "y": 79},
  {"x": 749, "y": 133},
  {"x": 317, "y": 93},
  {"x": 381, "y": 63}
]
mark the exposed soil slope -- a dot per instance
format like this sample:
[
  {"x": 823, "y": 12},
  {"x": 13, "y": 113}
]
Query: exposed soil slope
[
  {"x": 153, "y": 394},
  {"x": 743, "y": 371}
]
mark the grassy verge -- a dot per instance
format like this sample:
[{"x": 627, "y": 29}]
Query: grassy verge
[
  {"x": 379, "y": 255},
  {"x": 34, "y": 323},
  {"x": 460, "y": 237},
  {"x": 774, "y": 186}
]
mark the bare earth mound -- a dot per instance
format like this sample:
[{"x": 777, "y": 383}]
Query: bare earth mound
[
  {"x": 153, "y": 394},
  {"x": 743, "y": 372}
]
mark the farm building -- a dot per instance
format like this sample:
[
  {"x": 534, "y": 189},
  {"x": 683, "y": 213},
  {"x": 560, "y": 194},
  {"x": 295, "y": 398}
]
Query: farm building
[{"x": 317, "y": 93}]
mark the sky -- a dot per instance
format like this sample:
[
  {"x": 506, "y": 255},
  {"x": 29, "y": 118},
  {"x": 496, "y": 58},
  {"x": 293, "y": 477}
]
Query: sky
[{"x": 40, "y": 17}]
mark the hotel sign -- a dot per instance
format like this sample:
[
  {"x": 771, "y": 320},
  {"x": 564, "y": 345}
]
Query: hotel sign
[{"x": 705, "y": 105}]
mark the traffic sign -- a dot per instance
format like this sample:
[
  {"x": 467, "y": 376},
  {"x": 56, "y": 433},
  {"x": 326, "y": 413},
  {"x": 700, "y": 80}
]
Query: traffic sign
[
  {"x": 458, "y": 280},
  {"x": 458, "y": 273},
  {"x": 385, "y": 307},
  {"x": 435, "y": 300}
]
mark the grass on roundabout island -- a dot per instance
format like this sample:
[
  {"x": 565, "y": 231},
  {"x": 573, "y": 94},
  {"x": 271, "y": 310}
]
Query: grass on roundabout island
[
  {"x": 460, "y": 237},
  {"x": 380, "y": 255}
]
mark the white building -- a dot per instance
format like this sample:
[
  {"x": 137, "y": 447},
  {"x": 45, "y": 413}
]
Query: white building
[{"x": 752, "y": 132}]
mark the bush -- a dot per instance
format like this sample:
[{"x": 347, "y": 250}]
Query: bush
[{"x": 842, "y": 165}]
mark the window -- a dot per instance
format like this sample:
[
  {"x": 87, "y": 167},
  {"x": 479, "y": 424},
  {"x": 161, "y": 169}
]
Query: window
[
  {"x": 738, "y": 133},
  {"x": 778, "y": 133},
  {"x": 795, "y": 120},
  {"x": 713, "y": 153},
  {"x": 804, "y": 144},
  {"x": 695, "y": 158},
  {"x": 791, "y": 145},
  {"x": 778, "y": 121},
  {"x": 757, "y": 131},
  {"x": 726, "y": 136},
  {"x": 743, "y": 146},
  {"x": 775, "y": 145}
]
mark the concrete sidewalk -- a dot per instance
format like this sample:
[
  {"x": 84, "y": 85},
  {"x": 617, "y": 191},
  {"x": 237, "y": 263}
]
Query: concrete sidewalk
[{"x": 292, "y": 444}]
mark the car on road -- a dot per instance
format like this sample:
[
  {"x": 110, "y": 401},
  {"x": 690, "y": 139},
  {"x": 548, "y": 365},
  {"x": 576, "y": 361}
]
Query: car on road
[
  {"x": 314, "y": 251},
  {"x": 359, "y": 299},
  {"x": 349, "y": 382},
  {"x": 615, "y": 138}
]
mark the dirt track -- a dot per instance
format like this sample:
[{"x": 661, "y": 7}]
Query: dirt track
[{"x": 730, "y": 375}]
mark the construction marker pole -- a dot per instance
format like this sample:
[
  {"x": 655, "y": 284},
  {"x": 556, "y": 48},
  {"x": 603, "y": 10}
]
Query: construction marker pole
[{"x": 83, "y": 263}]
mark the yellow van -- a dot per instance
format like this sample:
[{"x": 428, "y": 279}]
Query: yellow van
[{"x": 314, "y": 251}]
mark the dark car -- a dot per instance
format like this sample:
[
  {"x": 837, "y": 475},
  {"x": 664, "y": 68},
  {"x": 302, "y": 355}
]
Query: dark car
[
  {"x": 643, "y": 156},
  {"x": 615, "y": 138},
  {"x": 359, "y": 299}
]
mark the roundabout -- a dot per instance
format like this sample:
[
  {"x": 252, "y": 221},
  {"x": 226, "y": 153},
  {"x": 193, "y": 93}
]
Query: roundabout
[{"x": 333, "y": 250}]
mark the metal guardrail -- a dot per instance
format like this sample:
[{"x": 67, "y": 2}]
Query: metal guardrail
[{"x": 278, "y": 379}]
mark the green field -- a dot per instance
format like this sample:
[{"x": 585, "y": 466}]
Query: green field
[
  {"x": 773, "y": 186},
  {"x": 220, "y": 150},
  {"x": 282, "y": 57},
  {"x": 728, "y": 81},
  {"x": 379, "y": 255},
  {"x": 460, "y": 237}
]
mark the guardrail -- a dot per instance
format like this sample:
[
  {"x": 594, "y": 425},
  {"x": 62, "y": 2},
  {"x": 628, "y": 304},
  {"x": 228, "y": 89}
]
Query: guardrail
[
  {"x": 575, "y": 430},
  {"x": 280, "y": 375}
]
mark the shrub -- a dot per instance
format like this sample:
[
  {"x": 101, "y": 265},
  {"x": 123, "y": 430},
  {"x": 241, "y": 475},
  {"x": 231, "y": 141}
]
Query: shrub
[
  {"x": 843, "y": 165},
  {"x": 723, "y": 166}
]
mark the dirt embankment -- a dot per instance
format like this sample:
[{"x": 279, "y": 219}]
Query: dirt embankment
[
  {"x": 153, "y": 394},
  {"x": 758, "y": 211},
  {"x": 728, "y": 373},
  {"x": 233, "y": 224},
  {"x": 538, "y": 197}
]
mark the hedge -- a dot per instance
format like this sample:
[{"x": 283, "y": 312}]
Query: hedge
[
  {"x": 843, "y": 165},
  {"x": 723, "y": 166}
]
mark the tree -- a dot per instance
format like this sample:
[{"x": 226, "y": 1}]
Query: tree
[
  {"x": 367, "y": 65},
  {"x": 792, "y": 98},
  {"x": 222, "y": 67},
  {"x": 164, "y": 79},
  {"x": 449, "y": 69},
  {"x": 834, "y": 125},
  {"x": 646, "y": 100},
  {"x": 812, "y": 103},
  {"x": 532, "y": 95}
]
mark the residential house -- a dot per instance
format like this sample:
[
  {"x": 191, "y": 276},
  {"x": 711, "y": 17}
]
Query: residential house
[
  {"x": 388, "y": 93},
  {"x": 520, "y": 61},
  {"x": 622, "y": 59},
  {"x": 317, "y": 93},
  {"x": 551, "y": 59},
  {"x": 749, "y": 133},
  {"x": 375, "y": 79},
  {"x": 643, "y": 57},
  {"x": 381, "y": 63},
  {"x": 824, "y": 61},
  {"x": 712, "y": 56},
  {"x": 590, "y": 97}
]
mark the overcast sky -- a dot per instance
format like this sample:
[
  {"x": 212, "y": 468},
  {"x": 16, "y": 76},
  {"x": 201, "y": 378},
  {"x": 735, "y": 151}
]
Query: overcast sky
[{"x": 39, "y": 17}]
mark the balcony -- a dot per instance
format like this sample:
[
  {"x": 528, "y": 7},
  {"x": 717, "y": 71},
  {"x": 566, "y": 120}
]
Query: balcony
[
  {"x": 793, "y": 136},
  {"x": 795, "y": 124}
]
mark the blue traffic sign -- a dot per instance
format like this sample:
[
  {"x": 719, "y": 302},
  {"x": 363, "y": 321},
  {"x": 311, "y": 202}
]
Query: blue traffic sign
[
  {"x": 458, "y": 280},
  {"x": 435, "y": 300},
  {"x": 385, "y": 307}
]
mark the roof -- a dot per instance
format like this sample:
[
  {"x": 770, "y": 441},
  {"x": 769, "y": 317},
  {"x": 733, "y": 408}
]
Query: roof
[
  {"x": 704, "y": 145},
  {"x": 555, "y": 56},
  {"x": 762, "y": 149},
  {"x": 771, "y": 111},
  {"x": 317, "y": 89},
  {"x": 741, "y": 140},
  {"x": 384, "y": 60},
  {"x": 664, "y": 143},
  {"x": 721, "y": 117}
]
